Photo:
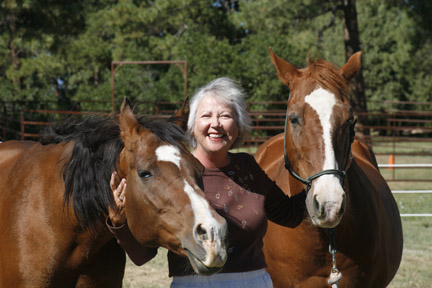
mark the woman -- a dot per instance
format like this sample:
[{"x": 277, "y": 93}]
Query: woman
[{"x": 235, "y": 186}]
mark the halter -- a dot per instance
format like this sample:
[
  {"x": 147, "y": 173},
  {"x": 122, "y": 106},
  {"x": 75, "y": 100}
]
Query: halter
[{"x": 308, "y": 181}]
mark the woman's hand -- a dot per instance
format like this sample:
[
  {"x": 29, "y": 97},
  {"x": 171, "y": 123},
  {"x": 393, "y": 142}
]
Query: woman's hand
[{"x": 118, "y": 188}]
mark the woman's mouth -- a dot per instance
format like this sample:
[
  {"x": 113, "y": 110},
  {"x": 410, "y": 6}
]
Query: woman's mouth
[{"x": 216, "y": 136}]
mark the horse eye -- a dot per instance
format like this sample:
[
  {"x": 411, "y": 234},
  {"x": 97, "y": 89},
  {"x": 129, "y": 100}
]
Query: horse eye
[
  {"x": 294, "y": 119},
  {"x": 145, "y": 174}
]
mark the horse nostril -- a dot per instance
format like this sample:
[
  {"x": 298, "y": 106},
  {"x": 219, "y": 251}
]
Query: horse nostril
[
  {"x": 201, "y": 233},
  {"x": 341, "y": 211},
  {"x": 204, "y": 234},
  {"x": 316, "y": 203},
  {"x": 319, "y": 209}
]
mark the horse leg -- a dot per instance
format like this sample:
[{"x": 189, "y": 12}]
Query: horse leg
[{"x": 106, "y": 270}]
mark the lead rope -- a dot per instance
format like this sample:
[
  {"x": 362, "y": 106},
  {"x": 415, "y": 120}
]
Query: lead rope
[{"x": 335, "y": 274}]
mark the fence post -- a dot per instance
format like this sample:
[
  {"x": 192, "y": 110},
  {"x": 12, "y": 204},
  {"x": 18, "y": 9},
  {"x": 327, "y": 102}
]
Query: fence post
[
  {"x": 394, "y": 115},
  {"x": 22, "y": 125},
  {"x": 4, "y": 120}
]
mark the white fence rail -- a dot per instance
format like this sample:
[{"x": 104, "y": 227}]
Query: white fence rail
[
  {"x": 410, "y": 191},
  {"x": 405, "y": 165}
]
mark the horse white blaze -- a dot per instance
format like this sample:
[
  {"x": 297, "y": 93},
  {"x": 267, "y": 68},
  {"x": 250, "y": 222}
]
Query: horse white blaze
[
  {"x": 200, "y": 206},
  {"x": 323, "y": 102},
  {"x": 326, "y": 189},
  {"x": 168, "y": 153}
]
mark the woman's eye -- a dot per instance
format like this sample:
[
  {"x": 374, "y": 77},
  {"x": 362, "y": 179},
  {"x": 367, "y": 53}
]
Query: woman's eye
[{"x": 145, "y": 175}]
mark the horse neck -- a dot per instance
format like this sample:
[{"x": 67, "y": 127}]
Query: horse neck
[{"x": 96, "y": 238}]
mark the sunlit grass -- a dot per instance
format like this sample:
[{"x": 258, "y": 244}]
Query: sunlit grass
[{"x": 415, "y": 269}]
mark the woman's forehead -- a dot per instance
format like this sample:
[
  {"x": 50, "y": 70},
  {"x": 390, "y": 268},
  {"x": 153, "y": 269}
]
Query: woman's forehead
[{"x": 212, "y": 102}]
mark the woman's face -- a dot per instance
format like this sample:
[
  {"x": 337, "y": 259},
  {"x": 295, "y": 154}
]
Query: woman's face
[{"x": 216, "y": 126}]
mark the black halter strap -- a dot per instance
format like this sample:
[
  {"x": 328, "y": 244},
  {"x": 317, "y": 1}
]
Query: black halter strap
[{"x": 308, "y": 181}]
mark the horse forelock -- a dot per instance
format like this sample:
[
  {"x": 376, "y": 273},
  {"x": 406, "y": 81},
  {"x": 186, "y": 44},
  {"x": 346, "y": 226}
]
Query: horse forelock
[
  {"x": 166, "y": 132},
  {"x": 321, "y": 73}
]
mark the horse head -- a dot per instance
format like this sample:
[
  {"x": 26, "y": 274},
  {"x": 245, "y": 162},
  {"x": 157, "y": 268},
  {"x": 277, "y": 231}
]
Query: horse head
[
  {"x": 165, "y": 204},
  {"x": 318, "y": 133}
]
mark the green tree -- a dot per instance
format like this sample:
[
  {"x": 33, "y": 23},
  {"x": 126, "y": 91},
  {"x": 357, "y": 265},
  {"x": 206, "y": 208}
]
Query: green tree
[
  {"x": 32, "y": 34},
  {"x": 60, "y": 51}
]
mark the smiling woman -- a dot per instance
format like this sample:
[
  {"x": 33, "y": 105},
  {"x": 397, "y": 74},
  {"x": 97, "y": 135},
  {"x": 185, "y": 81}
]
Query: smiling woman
[
  {"x": 226, "y": 92},
  {"x": 215, "y": 131}
]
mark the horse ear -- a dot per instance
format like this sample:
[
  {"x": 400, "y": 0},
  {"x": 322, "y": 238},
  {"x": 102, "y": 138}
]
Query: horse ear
[
  {"x": 286, "y": 71},
  {"x": 128, "y": 121},
  {"x": 352, "y": 67},
  {"x": 180, "y": 118}
]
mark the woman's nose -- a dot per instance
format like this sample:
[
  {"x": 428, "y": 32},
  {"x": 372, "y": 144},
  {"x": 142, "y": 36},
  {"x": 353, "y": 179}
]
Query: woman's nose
[{"x": 215, "y": 122}]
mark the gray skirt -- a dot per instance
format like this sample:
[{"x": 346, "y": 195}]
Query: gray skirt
[{"x": 252, "y": 279}]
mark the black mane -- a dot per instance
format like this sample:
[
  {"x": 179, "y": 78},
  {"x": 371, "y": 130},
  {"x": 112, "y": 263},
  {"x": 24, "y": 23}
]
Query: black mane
[{"x": 97, "y": 145}]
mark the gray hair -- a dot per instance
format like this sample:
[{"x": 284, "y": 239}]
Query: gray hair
[{"x": 230, "y": 92}]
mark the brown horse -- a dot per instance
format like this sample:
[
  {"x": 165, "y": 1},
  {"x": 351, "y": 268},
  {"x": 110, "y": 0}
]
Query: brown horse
[
  {"x": 345, "y": 190},
  {"x": 55, "y": 197}
]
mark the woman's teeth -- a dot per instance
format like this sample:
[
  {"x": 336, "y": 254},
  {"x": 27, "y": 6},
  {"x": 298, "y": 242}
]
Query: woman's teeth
[{"x": 215, "y": 135}]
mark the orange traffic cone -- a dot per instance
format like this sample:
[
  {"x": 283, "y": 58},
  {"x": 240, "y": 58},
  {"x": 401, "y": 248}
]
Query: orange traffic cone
[{"x": 391, "y": 161}]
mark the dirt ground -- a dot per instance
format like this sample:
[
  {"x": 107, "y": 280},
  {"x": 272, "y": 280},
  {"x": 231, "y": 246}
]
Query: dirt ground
[{"x": 153, "y": 274}]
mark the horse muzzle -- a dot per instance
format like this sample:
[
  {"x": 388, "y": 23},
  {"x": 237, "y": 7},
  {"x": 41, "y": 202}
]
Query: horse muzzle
[
  {"x": 208, "y": 254},
  {"x": 326, "y": 202}
]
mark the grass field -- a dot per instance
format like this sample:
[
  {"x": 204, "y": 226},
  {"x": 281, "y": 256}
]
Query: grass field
[
  {"x": 415, "y": 270},
  {"x": 416, "y": 267}
]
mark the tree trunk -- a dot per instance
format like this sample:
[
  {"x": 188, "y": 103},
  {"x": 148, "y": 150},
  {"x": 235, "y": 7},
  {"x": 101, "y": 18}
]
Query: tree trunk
[{"x": 352, "y": 45}]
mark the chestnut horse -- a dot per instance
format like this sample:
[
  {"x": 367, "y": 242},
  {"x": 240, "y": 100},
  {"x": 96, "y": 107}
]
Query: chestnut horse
[
  {"x": 55, "y": 195},
  {"x": 345, "y": 190}
]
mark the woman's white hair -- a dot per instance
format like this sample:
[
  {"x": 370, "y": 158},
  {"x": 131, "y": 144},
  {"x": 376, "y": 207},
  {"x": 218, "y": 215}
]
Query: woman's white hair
[{"x": 228, "y": 91}]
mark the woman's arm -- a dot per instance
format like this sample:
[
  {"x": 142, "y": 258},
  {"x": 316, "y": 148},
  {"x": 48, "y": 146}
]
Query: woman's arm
[
  {"x": 285, "y": 210},
  {"x": 137, "y": 253},
  {"x": 280, "y": 208},
  {"x": 117, "y": 224}
]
